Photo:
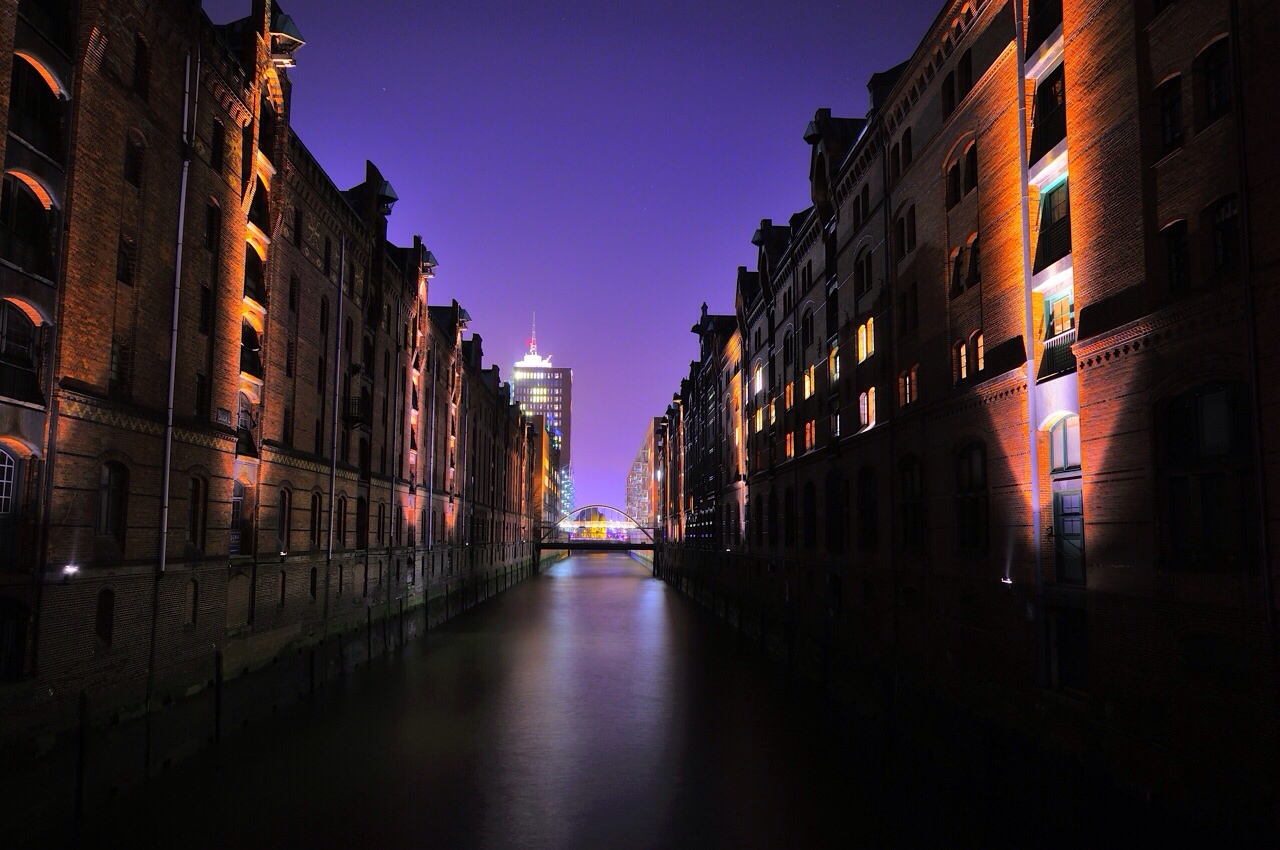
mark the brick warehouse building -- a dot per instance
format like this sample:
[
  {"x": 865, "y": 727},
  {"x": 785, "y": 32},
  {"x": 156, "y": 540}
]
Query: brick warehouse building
[
  {"x": 326, "y": 455},
  {"x": 1006, "y": 388}
]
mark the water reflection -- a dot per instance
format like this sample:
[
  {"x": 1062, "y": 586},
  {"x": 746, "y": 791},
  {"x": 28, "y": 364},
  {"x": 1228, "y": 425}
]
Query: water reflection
[{"x": 590, "y": 707}]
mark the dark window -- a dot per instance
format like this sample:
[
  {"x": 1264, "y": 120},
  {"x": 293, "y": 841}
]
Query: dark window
[
  {"x": 19, "y": 377},
  {"x": 206, "y": 309},
  {"x": 288, "y": 427},
  {"x": 1170, "y": 97},
  {"x": 133, "y": 159},
  {"x": 36, "y": 113},
  {"x": 284, "y": 520},
  {"x": 195, "y": 512},
  {"x": 27, "y": 236},
  {"x": 1225, "y": 224},
  {"x": 971, "y": 499},
  {"x": 212, "y": 227},
  {"x": 911, "y": 228},
  {"x": 293, "y": 293},
  {"x": 202, "y": 396},
  {"x": 964, "y": 74},
  {"x": 113, "y": 491},
  {"x": 316, "y": 523},
  {"x": 328, "y": 254},
  {"x": 895, "y": 163},
  {"x": 975, "y": 264},
  {"x": 324, "y": 317},
  {"x": 290, "y": 355},
  {"x": 971, "y": 168},
  {"x": 911, "y": 504},
  {"x": 906, "y": 148},
  {"x": 868, "y": 510},
  {"x": 1177, "y": 252},
  {"x": 1055, "y": 226},
  {"x": 908, "y": 307},
  {"x": 957, "y": 272},
  {"x": 948, "y": 94},
  {"x": 1215, "y": 73},
  {"x": 1050, "y": 116},
  {"x": 1045, "y": 17},
  {"x": 141, "y": 66},
  {"x": 953, "y": 185},
  {"x": 1208, "y": 504}
]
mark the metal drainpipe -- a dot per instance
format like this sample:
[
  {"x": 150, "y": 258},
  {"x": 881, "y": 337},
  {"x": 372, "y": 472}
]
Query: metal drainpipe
[
  {"x": 188, "y": 119},
  {"x": 333, "y": 429},
  {"x": 1251, "y": 333},
  {"x": 1028, "y": 330}
]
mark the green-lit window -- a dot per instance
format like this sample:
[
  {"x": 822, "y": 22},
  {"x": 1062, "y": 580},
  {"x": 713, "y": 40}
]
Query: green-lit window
[{"x": 1064, "y": 444}]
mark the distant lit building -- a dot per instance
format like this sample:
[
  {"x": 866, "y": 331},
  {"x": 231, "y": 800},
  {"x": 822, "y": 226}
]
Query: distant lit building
[{"x": 545, "y": 390}]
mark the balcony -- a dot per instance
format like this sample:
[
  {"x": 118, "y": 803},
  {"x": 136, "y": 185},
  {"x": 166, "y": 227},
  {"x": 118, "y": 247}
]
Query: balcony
[
  {"x": 1055, "y": 243},
  {"x": 359, "y": 410},
  {"x": 1044, "y": 19},
  {"x": 30, "y": 256},
  {"x": 1049, "y": 129},
  {"x": 1057, "y": 358}
]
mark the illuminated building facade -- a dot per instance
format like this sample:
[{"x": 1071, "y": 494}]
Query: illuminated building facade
[
  {"x": 304, "y": 451},
  {"x": 1004, "y": 386},
  {"x": 546, "y": 390}
]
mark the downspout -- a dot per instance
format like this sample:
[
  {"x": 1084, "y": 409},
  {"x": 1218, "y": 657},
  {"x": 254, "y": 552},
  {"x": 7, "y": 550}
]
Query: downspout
[
  {"x": 1028, "y": 330},
  {"x": 337, "y": 412},
  {"x": 188, "y": 120}
]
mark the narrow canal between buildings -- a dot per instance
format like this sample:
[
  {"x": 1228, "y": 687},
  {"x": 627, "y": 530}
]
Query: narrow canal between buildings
[{"x": 589, "y": 707}]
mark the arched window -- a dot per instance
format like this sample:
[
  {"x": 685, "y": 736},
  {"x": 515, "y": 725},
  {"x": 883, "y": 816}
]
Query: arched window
[
  {"x": 8, "y": 484},
  {"x": 239, "y": 543},
  {"x": 971, "y": 168},
  {"x": 36, "y": 112},
  {"x": 1214, "y": 67},
  {"x": 758, "y": 381},
  {"x": 979, "y": 352},
  {"x": 250, "y": 350},
  {"x": 1064, "y": 444},
  {"x": 26, "y": 228},
  {"x": 18, "y": 355},
  {"x": 971, "y": 499},
  {"x": 284, "y": 520},
  {"x": 316, "y": 521},
  {"x": 104, "y": 617},
  {"x": 134, "y": 158},
  {"x": 961, "y": 356},
  {"x": 340, "y": 523},
  {"x": 1224, "y": 224},
  {"x": 906, "y": 148},
  {"x": 141, "y": 66},
  {"x": 113, "y": 491}
]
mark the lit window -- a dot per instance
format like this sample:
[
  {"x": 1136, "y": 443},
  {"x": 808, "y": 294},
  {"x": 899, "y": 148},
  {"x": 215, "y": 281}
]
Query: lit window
[
  {"x": 1061, "y": 316},
  {"x": 979, "y": 352},
  {"x": 759, "y": 419},
  {"x": 833, "y": 364},
  {"x": 809, "y": 376},
  {"x": 790, "y": 394},
  {"x": 1064, "y": 444},
  {"x": 863, "y": 410},
  {"x": 871, "y": 336},
  {"x": 962, "y": 361},
  {"x": 759, "y": 378},
  {"x": 773, "y": 411},
  {"x": 871, "y": 407},
  {"x": 791, "y": 444},
  {"x": 810, "y": 434}
]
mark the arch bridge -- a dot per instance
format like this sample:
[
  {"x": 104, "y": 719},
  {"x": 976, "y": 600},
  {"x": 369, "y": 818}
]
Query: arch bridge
[{"x": 587, "y": 529}]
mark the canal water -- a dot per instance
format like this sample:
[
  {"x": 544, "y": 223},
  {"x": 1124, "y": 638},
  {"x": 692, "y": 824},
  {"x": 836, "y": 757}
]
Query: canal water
[{"x": 589, "y": 707}]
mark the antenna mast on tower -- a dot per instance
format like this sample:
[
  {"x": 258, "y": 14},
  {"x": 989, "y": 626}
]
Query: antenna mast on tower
[{"x": 533, "y": 340}]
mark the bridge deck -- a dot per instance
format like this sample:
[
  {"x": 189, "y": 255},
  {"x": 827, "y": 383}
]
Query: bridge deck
[{"x": 595, "y": 545}]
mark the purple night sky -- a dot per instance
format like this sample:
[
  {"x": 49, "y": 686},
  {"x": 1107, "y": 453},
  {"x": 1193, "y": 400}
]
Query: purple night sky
[{"x": 603, "y": 164}]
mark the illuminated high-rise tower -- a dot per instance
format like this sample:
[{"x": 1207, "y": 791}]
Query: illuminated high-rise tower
[{"x": 544, "y": 389}]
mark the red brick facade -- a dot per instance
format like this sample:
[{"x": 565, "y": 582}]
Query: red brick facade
[
  {"x": 1058, "y": 512},
  {"x": 335, "y": 456}
]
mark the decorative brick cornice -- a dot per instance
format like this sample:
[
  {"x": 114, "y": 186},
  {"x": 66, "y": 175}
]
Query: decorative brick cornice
[{"x": 1215, "y": 308}]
